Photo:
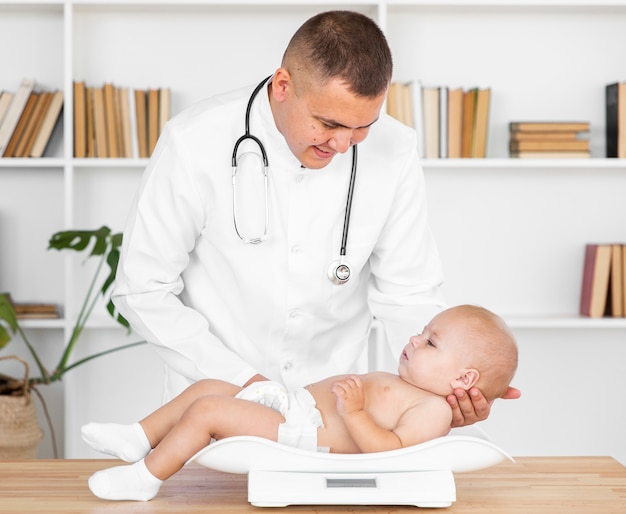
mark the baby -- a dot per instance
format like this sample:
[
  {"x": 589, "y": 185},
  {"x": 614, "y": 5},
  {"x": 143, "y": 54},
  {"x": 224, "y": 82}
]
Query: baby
[{"x": 461, "y": 347}]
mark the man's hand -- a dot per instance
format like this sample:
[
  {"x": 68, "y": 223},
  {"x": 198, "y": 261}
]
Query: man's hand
[
  {"x": 349, "y": 393},
  {"x": 255, "y": 378},
  {"x": 467, "y": 409}
]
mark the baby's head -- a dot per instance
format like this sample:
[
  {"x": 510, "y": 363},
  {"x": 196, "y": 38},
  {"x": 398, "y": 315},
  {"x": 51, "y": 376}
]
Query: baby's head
[{"x": 462, "y": 347}]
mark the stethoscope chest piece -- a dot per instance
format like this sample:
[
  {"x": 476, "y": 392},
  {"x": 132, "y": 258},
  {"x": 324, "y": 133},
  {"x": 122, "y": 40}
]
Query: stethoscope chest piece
[{"x": 339, "y": 272}]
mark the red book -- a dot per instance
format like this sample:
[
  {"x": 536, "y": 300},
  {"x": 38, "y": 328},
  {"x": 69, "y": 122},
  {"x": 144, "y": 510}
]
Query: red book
[{"x": 595, "y": 286}]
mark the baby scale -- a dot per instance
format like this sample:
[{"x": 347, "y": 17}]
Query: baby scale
[{"x": 420, "y": 475}]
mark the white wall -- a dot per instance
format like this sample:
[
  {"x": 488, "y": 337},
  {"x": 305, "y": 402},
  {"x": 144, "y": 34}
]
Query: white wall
[{"x": 511, "y": 238}]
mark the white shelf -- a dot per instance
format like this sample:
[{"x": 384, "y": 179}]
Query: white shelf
[
  {"x": 510, "y": 231},
  {"x": 497, "y": 4},
  {"x": 564, "y": 322},
  {"x": 427, "y": 164},
  {"x": 513, "y": 164},
  {"x": 526, "y": 322}
]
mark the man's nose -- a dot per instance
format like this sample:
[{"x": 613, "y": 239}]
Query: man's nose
[{"x": 341, "y": 140}]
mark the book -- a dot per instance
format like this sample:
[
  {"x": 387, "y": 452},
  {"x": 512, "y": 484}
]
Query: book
[
  {"x": 111, "y": 120},
  {"x": 549, "y": 126},
  {"x": 90, "y": 123},
  {"x": 6, "y": 97},
  {"x": 443, "y": 122},
  {"x": 481, "y": 123},
  {"x": 615, "y": 107},
  {"x": 21, "y": 124},
  {"x": 393, "y": 100},
  {"x": 550, "y": 155},
  {"x": 124, "y": 111},
  {"x": 142, "y": 121},
  {"x": 455, "y": 122},
  {"x": 467, "y": 131},
  {"x": 35, "y": 310},
  {"x": 406, "y": 103},
  {"x": 101, "y": 146},
  {"x": 575, "y": 145},
  {"x": 430, "y": 96},
  {"x": 34, "y": 122},
  {"x": 14, "y": 112},
  {"x": 153, "y": 119},
  {"x": 595, "y": 283},
  {"x": 616, "y": 285},
  {"x": 50, "y": 118},
  {"x": 624, "y": 278},
  {"x": 134, "y": 141},
  {"x": 418, "y": 114},
  {"x": 80, "y": 120},
  {"x": 571, "y": 135},
  {"x": 621, "y": 121}
]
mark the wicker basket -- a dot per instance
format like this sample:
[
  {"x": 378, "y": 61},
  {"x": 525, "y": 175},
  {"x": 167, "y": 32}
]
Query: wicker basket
[{"x": 20, "y": 433}]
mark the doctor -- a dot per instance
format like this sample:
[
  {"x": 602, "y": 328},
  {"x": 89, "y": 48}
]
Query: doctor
[{"x": 269, "y": 257}]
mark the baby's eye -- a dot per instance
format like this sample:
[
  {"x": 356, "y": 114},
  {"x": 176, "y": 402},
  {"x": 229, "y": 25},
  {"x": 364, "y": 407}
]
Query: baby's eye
[{"x": 430, "y": 343}]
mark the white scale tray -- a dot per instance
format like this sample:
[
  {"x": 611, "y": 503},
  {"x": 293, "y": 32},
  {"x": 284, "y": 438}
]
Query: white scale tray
[{"x": 420, "y": 475}]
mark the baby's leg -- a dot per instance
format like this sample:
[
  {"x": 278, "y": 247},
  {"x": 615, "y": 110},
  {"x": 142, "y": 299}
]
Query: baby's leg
[
  {"x": 133, "y": 442},
  {"x": 158, "y": 424},
  {"x": 209, "y": 417}
]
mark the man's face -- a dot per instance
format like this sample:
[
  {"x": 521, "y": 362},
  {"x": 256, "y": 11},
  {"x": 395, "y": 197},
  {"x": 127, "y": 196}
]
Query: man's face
[{"x": 320, "y": 121}]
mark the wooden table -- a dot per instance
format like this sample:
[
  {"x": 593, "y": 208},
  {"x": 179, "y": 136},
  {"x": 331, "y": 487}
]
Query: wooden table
[{"x": 589, "y": 485}]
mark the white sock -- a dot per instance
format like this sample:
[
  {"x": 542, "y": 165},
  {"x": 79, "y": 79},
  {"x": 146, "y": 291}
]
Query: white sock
[
  {"x": 132, "y": 482},
  {"x": 127, "y": 442}
]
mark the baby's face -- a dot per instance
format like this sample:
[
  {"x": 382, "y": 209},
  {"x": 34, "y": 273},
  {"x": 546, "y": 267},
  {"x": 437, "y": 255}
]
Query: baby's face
[{"x": 434, "y": 359}]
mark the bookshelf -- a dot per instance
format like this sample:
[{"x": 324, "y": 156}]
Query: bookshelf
[{"x": 511, "y": 232}]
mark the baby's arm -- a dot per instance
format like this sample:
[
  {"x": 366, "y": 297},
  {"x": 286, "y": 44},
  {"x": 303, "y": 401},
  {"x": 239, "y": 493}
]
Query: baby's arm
[{"x": 423, "y": 422}]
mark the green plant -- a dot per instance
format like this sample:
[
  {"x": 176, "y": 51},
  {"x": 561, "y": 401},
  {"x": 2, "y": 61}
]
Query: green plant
[{"x": 99, "y": 243}]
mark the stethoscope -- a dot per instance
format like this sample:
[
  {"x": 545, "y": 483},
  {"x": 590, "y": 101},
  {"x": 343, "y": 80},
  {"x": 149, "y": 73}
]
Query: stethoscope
[{"x": 339, "y": 271}]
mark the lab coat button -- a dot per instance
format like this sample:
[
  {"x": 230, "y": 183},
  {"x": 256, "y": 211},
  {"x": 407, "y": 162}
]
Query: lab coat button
[
  {"x": 294, "y": 314},
  {"x": 299, "y": 178},
  {"x": 287, "y": 366},
  {"x": 296, "y": 249}
]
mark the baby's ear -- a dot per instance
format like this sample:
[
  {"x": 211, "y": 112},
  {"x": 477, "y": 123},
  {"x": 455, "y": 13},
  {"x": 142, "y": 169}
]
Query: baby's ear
[{"x": 467, "y": 379}]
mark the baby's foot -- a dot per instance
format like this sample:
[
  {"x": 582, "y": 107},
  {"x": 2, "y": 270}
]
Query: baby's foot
[
  {"x": 127, "y": 442},
  {"x": 132, "y": 482}
]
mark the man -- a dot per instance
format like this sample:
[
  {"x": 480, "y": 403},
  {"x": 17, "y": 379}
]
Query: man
[{"x": 215, "y": 305}]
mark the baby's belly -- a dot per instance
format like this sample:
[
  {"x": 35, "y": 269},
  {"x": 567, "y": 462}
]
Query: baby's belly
[{"x": 334, "y": 435}]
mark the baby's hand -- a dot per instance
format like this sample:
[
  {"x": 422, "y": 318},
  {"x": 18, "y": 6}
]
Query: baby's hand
[{"x": 349, "y": 393}]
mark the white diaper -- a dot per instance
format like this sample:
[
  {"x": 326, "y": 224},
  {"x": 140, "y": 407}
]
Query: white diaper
[
  {"x": 297, "y": 407},
  {"x": 268, "y": 393}
]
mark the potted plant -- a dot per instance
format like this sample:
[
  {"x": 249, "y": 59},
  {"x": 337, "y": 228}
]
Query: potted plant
[{"x": 18, "y": 424}]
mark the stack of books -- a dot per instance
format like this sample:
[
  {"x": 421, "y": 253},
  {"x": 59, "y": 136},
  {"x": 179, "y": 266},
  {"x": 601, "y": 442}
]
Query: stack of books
[
  {"x": 604, "y": 280},
  {"x": 36, "y": 310},
  {"x": 28, "y": 119},
  {"x": 120, "y": 122},
  {"x": 450, "y": 122},
  {"x": 31, "y": 310},
  {"x": 546, "y": 139},
  {"x": 616, "y": 120}
]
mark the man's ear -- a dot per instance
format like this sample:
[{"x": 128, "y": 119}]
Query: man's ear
[
  {"x": 466, "y": 379},
  {"x": 281, "y": 83}
]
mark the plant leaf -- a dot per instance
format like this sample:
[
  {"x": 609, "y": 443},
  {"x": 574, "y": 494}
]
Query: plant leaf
[
  {"x": 7, "y": 314},
  {"x": 79, "y": 240},
  {"x": 5, "y": 337}
]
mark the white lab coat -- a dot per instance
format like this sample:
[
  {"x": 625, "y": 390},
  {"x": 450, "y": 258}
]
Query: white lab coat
[{"x": 213, "y": 306}]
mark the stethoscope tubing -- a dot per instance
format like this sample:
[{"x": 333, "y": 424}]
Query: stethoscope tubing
[{"x": 339, "y": 271}]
